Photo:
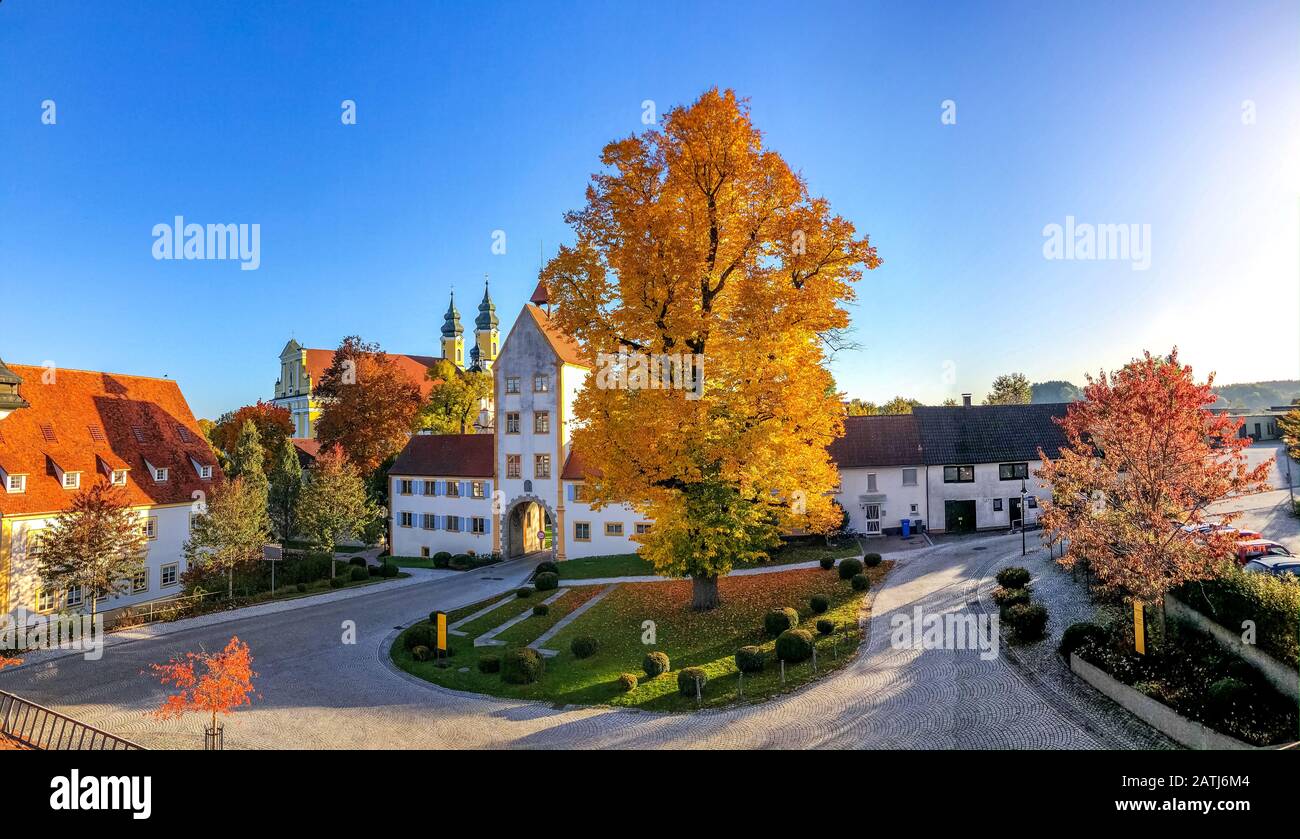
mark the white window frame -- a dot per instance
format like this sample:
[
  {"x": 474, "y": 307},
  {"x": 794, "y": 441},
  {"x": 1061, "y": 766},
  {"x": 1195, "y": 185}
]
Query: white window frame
[
  {"x": 78, "y": 600},
  {"x": 21, "y": 487},
  {"x": 72, "y": 480},
  {"x": 614, "y": 524},
  {"x": 906, "y": 482},
  {"x": 136, "y": 586},
  {"x": 512, "y": 384},
  {"x": 160, "y": 474},
  {"x": 871, "y": 482},
  {"x": 478, "y": 525},
  {"x": 44, "y": 600},
  {"x": 541, "y": 383},
  {"x": 118, "y": 477},
  {"x": 205, "y": 472},
  {"x": 512, "y": 422},
  {"x": 405, "y": 519},
  {"x": 541, "y": 422},
  {"x": 149, "y": 527},
  {"x": 175, "y": 569},
  {"x": 578, "y": 524}
]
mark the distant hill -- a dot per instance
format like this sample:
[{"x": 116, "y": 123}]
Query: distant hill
[{"x": 1255, "y": 395}]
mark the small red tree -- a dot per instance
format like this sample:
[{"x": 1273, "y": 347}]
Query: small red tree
[
  {"x": 9, "y": 662},
  {"x": 1144, "y": 456},
  {"x": 211, "y": 683}
]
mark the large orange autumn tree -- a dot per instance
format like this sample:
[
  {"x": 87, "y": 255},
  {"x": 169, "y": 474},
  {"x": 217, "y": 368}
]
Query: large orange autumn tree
[
  {"x": 1145, "y": 455},
  {"x": 698, "y": 240}
]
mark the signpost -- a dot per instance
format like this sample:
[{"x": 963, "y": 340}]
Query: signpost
[
  {"x": 272, "y": 554},
  {"x": 1139, "y": 629},
  {"x": 440, "y": 620}
]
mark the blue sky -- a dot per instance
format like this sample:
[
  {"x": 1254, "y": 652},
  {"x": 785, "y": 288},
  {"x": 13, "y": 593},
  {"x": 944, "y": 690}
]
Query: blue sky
[{"x": 480, "y": 117}]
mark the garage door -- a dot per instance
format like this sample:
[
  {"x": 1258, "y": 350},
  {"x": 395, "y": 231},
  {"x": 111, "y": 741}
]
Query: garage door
[{"x": 959, "y": 516}]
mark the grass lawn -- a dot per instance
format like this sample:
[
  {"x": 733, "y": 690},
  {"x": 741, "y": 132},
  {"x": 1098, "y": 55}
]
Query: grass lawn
[
  {"x": 707, "y": 640},
  {"x": 632, "y": 565}
]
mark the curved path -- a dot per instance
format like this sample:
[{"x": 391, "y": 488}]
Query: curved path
[{"x": 317, "y": 692}]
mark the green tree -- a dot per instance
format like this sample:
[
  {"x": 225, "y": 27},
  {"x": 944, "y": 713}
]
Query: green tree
[
  {"x": 455, "y": 402},
  {"x": 1009, "y": 389},
  {"x": 899, "y": 405},
  {"x": 333, "y": 504},
  {"x": 248, "y": 460},
  {"x": 1056, "y": 390},
  {"x": 950, "y": 402},
  {"x": 232, "y": 530},
  {"x": 97, "y": 544},
  {"x": 285, "y": 485},
  {"x": 862, "y": 408}
]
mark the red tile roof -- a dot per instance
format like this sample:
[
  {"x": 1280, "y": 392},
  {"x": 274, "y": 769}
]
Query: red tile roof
[
  {"x": 450, "y": 455},
  {"x": 141, "y": 419},
  {"x": 414, "y": 366},
  {"x": 888, "y": 440},
  {"x": 308, "y": 449},
  {"x": 575, "y": 467},
  {"x": 565, "y": 347}
]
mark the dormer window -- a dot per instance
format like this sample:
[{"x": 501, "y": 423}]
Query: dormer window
[
  {"x": 205, "y": 472},
  {"x": 16, "y": 484},
  {"x": 160, "y": 474},
  {"x": 71, "y": 480},
  {"x": 118, "y": 477}
]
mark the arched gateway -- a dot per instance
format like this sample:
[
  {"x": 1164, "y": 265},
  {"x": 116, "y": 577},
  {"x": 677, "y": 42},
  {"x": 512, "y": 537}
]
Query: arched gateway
[{"x": 524, "y": 526}]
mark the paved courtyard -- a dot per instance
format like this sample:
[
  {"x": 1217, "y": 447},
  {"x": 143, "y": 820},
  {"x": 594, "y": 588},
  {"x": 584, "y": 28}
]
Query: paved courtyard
[{"x": 318, "y": 692}]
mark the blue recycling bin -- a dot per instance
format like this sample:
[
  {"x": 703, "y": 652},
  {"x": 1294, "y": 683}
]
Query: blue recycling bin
[{"x": 907, "y": 528}]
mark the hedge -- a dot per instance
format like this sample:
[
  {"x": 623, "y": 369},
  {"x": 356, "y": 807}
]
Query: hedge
[{"x": 1271, "y": 602}]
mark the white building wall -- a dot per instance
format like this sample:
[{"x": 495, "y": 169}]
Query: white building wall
[
  {"x": 599, "y": 544},
  {"x": 901, "y": 500},
  {"x": 408, "y": 541},
  {"x": 172, "y": 530},
  {"x": 986, "y": 487}
]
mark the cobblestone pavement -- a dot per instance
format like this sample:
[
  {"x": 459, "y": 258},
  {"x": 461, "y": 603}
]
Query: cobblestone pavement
[{"x": 317, "y": 692}]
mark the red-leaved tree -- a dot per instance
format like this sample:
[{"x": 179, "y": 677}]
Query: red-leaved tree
[
  {"x": 1144, "y": 457},
  {"x": 210, "y": 683}
]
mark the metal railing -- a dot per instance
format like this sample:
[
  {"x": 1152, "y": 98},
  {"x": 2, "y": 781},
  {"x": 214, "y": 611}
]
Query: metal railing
[
  {"x": 168, "y": 608},
  {"x": 39, "y": 727}
]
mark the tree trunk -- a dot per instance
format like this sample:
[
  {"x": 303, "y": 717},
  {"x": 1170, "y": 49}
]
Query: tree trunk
[
  {"x": 230, "y": 583},
  {"x": 704, "y": 593}
]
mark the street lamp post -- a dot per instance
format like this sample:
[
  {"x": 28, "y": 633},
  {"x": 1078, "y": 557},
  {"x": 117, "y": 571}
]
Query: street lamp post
[{"x": 1024, "y": 492}]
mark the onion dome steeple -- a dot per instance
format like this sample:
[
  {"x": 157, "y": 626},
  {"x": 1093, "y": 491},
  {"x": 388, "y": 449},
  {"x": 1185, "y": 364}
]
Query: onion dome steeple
[
  {"x": 451, "y": 321},
  {"x": 487, "y": 311}
]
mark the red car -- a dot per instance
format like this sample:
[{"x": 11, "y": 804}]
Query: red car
[{"x": 1249, "y": 549}]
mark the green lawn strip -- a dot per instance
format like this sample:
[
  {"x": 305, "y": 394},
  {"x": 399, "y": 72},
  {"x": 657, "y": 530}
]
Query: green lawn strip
[
  {"x": 707, "y": 640},
  {"x": 410, "y": 561},
  {"x": 498, "y": 616},
  {"x": 632, "y": 565},
  {"x": 529, "y": 630}
]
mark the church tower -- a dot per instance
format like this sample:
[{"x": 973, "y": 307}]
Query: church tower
[
  {"x": 453, "y": 341},
  {"x": 486, "y": 335}
]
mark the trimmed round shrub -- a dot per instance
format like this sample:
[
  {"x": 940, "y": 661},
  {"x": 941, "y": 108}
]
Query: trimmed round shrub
[
  {"x": 655, "y": 664},
  {"x": 794, "y": 645},
  {"x": 689, "y": 678},
  {"x": 826, "y": 626},
  {"x": 420, "y": 653},
  {"x": 1005, "y": 597},
  {"x": 1013, "y": 577},
  {"x": 827, "y": 563},
  {"x": 441, "y": 559},
  {"x": 389, "y": 570},
  {"x": 374, "y": 570},
  {"x": 779, "y": 620},
  {"x": 849, "y": 568},
  {"x": 584, "y": 646},
  {"x": 420, "y": 635},
  {"x": 359, "y": 574},
  {"x": 522, "y": 666},
  {"x": 301, "y": 586},
  {"x": 750, "y": 659},
  {"x": 1228, "y": 695},
  {"x": 523, "y": 592},
  {"x": 819, "y": 603},
  {"x": 359, "y": 561},
  {"x": 1078, "y": 634},
  {"x": 461, "y": 561},
  {"x": 627, "y": 682},
  {"x": 1028, "y": 620},
  {"x": 548, "y": 567},
  {"x": 871, "y": 560},
  {"x": 546, "y": 581},
  {"x": 489, "y": 664},
  {"x": 337, "y": 582},
  {"x": 860, "y": 582},
  {"x": 541, "y": 610}
]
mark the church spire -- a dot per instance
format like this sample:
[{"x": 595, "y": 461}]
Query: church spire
[
  {"x": 453, "y": 344},
  {"x": 487, "y": 311},
  {"x": 451, "y": 321}
]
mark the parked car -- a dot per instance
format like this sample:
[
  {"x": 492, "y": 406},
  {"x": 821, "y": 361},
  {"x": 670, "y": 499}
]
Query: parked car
[
  {"x": 1204, "y": 529},
  {"x": 1278, "y": 566},
  {"x": 1249, "y": 549}
]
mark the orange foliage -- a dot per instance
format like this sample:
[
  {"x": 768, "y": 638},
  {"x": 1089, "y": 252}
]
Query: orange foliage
[
  {"x": 9, "y": 662},
  {"x": 208, "y": 682},
  {"x": 371, "y": 407},
  {"x": 1145, "y": 455}
]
